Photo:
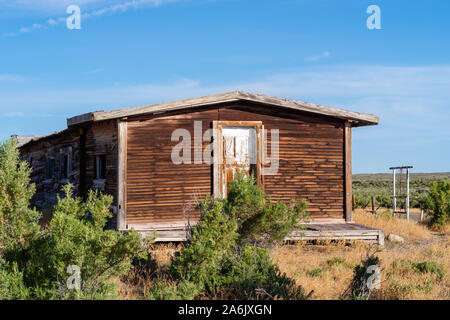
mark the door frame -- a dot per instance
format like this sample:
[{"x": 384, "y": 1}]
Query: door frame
[{"x": 218, "y": 161}]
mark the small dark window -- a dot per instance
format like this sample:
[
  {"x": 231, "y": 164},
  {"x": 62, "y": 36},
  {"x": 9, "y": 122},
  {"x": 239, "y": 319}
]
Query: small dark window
[
  {"x": 65, "y": 170},
  {"x": 100, "y": 166},
  {"x": 50, "y": 170}
]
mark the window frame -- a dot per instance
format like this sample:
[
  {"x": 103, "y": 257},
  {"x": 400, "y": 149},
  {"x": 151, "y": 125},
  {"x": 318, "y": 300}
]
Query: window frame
[{"x": 100, "y": 170}]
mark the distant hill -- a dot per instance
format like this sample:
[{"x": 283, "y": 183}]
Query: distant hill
[{"x": 414, "y": 176}]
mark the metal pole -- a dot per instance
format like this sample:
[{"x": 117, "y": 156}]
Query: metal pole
[
  {"x": 394, "y": 199},
  {"x": 407, "y": 194}
]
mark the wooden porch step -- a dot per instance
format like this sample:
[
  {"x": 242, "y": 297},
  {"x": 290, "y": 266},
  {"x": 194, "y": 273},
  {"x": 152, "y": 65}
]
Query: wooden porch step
[{"x": 314, "y": 231}]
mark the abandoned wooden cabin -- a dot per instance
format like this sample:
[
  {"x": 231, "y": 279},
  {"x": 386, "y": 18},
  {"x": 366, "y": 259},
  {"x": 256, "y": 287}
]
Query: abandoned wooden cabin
[{"x": 155, "y": 159}]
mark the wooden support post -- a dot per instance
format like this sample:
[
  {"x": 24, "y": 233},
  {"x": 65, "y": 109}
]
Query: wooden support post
[
  {"x": 353, "y": 202},
  {"x": 421, "y": 214},
  {"x": 121, "y": 175},
  {"x": 348, "y": 171},
  {"x": 373, "y": 205}
]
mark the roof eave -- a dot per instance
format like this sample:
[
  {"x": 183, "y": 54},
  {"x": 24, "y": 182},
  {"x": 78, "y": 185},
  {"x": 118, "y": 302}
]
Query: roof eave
[{"x": 358, "y": 119}]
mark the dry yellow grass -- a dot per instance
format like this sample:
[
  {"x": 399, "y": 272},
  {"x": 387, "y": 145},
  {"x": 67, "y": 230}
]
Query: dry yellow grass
[
  {"x": 139, "y": 279},
  {"x": 327, "y": 268},
  {"x": 409, "y": 230}
]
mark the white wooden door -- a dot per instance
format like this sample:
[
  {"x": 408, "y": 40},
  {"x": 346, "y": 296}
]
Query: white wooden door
[{"x": 239, "y": 152}]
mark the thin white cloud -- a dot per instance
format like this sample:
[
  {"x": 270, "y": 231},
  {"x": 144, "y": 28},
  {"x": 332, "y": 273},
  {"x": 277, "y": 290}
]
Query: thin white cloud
[
  {"x": 105, "y": 10},
  {"x": 47, "y": 5},
  {"x": 11, "y": 78},
  {"x": 32, "y": 28},
  {"x": 318, "y": 57}
]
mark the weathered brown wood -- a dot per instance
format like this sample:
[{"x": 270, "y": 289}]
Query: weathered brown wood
[
  {"x": 82, "y": 118},
  {"x": 348, "y": 172},
  {"x": 314, "y": 231},
  {"x": 122, "y": 175},
  {"x": 311, "y": 162},
  {"x": 54, "y": 146},
  {"x": 216, "y": 168}
]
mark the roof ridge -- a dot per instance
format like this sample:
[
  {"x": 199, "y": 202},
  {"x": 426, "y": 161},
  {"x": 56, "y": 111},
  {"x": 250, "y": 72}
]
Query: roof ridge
[{"x": 230, "y": 96}]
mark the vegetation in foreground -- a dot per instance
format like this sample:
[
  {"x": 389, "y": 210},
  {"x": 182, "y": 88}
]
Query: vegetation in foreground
[
  {"x": 38, "y": 263},
  {"x": 416, "y": 269},
  {"x": 227, "y": 256}
]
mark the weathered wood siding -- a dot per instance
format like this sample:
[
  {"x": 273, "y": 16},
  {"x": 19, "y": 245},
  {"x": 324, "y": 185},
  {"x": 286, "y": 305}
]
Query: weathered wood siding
[
  {"x": 311, "y": 153},
  {"x": 311, "y": 162},
  {"x": 101, "y": 138},
  {"x": 37, "y": 153},
  {"x": 85, "y": 143},
  {"x": 157, "y": 189}
]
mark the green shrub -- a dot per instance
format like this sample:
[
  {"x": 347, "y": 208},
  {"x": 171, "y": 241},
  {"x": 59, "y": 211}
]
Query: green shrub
[
  {"x": 34, "y": 262},
  {"x": 261, "y": 221},
  {"x": 218, "y": 259},
  {"x": 361, "y": 201},
  {"x": 318, "y": 272},
  {"x": 212, "y": 239},
  {"x": 437, "y": 202},
  {"x": 12, "y": 286},
  {"x": 429, "y": 267},
  {"x": 336, "y": 261},
  {"x": 358, "y": 289},
  {"x": 18, "y": 223},
  {"x": 76, "y": 236},
  {"x": 183, "y": 290},
  {"x": 250, "y": 274}
]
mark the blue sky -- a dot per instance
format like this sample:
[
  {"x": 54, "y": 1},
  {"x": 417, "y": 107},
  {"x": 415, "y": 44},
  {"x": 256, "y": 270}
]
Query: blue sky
[{"x": 135, "y": 52}]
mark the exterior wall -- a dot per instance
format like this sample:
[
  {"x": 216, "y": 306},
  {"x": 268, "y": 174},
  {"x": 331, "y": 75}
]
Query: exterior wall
[
  {"x": 311, "y": 152},
  {"x": 85, "y": 143},
  {"x": 157, "y": 189},
  {"x": 101, "y": 138},
  {"x": 311, "y": 163},
  {"x": 37, "y": 153}
]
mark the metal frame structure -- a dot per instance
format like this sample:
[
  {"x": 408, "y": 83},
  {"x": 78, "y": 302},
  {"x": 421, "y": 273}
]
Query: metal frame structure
[{"x": 394, "y": 189}]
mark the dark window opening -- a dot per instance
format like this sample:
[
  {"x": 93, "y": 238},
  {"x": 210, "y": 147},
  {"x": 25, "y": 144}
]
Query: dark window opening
[
  {"x": 50, "y": 170},
  {"x": 65, "y": 170},
  {"x": 100, "y": 166}
]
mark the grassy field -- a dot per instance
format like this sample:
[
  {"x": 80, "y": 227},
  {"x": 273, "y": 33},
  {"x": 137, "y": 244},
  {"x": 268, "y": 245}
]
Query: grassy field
[{"x": 380, "y": 185}]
